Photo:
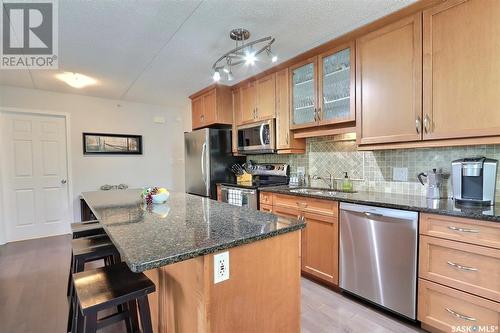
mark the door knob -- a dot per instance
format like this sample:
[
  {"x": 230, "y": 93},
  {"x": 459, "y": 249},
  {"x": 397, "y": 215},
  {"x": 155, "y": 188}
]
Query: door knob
[{"x": 63, "y": 181}]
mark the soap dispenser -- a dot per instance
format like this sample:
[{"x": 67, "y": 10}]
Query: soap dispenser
[{"x": 347, "y": 183}]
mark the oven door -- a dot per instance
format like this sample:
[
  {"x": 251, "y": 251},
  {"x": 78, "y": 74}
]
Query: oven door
[
  {"x": 257, "y": 138},
  {"x": 239, "y": 196}
]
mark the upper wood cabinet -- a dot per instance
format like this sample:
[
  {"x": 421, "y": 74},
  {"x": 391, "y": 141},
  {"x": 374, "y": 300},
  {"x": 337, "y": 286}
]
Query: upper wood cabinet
[
  {"x": 236, "y": 120},
  {"x": 258, "y": 99},
  {"x": 266, "y": 97},
  {"x": 197, "y": 113},
  {"x": 336, "y": 85},
  {"x": 212, "y": 106},
  {"x": 322, "y": 89},
  {"x": 247, "y": 103},
  {"x": 461, "y": 69},
  {"x": 304, "y": 94},
  {"x": 285, "y": 142},
  {"x": 389, "y": 83}
]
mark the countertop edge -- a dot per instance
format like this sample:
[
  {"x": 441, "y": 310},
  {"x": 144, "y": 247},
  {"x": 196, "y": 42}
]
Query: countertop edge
[
  {"x": 482, "y": 217},
  {"x": 138, "y": 268}
]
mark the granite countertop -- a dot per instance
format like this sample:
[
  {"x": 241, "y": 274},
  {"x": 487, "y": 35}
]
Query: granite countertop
[
  {"x": 406, "y": 202},
  {"x": 186, "y": 226}
]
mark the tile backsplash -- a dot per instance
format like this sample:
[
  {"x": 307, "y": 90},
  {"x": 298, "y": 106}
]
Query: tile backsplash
[{"x": 373, "y": 170}]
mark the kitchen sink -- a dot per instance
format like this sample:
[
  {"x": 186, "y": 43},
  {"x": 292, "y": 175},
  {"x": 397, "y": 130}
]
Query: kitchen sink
[{"x": 316, "y": 191}]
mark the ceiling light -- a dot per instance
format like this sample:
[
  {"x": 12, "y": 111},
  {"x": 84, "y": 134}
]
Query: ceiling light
[
  {"x": 250, "y": 58},
  {"x": 216, "y": 76},
  {"x": 274, "y": 57},
  {"x": 76, "y": 80},
  {"x": 244, "y": 52},
  {"x": 230, "y": 76}
]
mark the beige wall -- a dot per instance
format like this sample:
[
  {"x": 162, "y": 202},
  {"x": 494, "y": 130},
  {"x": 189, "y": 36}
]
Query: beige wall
[{"x": 162, "y": 162}]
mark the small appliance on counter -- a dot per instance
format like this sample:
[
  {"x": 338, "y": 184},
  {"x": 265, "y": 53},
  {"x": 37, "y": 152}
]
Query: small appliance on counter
[
  {"x": 435, "y": 181},
  {"x": 474, "y": 181},
  {"x": 263, "y": 175}
]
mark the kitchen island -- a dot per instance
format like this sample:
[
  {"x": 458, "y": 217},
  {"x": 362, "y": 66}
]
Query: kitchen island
[{"x": 174, "y": 244}]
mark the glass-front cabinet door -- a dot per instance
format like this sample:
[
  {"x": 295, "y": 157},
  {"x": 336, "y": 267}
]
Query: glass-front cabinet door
[
  {"x": 336, "y": 86},
  {"x": 304, "y": 94}
]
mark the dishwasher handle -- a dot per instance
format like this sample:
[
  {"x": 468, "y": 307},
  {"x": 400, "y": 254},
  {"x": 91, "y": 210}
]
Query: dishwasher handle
[{"x": 378, "y": 212}]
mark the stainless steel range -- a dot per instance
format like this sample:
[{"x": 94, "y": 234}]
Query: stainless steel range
[{"x": 263, "y": 175}]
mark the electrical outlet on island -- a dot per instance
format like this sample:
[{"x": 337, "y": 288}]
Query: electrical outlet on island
[{"x": 221, "y": 267}]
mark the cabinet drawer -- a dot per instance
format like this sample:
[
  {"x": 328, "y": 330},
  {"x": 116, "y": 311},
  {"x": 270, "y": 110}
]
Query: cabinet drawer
[
  {"x": 289, "y": 201},
  {"x": 461, "y": 229},
  {"x": 445, "y": 308},
  {"x": 266, "y": 198},
  {"x": 310, "y": 205},
  {"x": 470, "y": 268},
  {"x": 286, "y": 211},
  {"x": 266, "y": 208},
  {"x": 323, "y": 207}
]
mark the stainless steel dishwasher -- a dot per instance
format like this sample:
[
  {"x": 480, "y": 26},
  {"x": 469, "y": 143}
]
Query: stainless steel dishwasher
[{"x": 378, "y": 256}]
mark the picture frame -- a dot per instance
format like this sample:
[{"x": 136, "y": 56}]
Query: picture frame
[{"x": 111, "y": 144}]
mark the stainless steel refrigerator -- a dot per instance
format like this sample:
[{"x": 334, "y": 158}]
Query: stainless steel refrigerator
[{"x": 208, "y": 160}]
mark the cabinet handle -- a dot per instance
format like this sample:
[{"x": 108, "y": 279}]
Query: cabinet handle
[
  {"x": 315, "y": 115},
  {"x": 286, "y": 138},
  {"x": 202, "y": 117},
  {"x": 474, "y": 231},
  {"x": 427, "y": 124},
  {"x": 256, "y": 112},
  {"x": 463, "y": 268},
  {"x": 319, "y": 114},
  {"x": 418, "y": 124},
  {"x": 458, "y": 315}
]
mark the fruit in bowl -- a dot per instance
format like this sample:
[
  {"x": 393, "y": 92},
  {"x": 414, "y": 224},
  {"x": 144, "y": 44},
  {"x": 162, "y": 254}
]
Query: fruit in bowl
[{"x": 155, "y": 195}]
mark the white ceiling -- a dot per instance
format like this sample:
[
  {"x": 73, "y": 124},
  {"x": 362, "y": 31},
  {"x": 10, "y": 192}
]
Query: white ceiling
[{"x": 159, "y": 52}]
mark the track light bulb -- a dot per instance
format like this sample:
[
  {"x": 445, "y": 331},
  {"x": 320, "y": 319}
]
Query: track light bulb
[
  {"x": 216, "y": 76},
  {"x": 250, "y": 58}
]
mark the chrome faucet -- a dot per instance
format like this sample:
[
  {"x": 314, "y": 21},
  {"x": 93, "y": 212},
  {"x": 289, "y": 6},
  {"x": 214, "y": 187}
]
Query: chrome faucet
[{"x": 328, "y": 182}]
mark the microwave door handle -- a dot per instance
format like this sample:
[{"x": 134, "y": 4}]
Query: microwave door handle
[{"x": 261, "y": 134}]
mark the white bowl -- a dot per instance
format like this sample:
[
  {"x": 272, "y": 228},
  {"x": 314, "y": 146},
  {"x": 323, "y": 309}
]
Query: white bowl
[{"x": 160, "y": 198}]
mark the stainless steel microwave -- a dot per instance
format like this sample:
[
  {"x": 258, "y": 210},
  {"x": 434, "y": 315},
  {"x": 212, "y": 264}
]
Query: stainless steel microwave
[{"x": 257, "y": 138}]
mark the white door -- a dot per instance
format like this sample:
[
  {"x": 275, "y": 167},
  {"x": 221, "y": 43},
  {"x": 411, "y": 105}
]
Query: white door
[{"x": 34, "y": 169}]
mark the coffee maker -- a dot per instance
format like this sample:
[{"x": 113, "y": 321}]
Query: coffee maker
[
  {"x": 474, "y": 181},
  {"x": 435, "y": 180}
]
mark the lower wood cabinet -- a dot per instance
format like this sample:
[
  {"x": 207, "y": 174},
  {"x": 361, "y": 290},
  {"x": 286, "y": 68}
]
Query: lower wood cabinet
[
  {"x": 266, "y": 208},
  {"x": 471, "y": 268},
  {"x": 219, "y": 193},
  {"x": 320, "y": 244},
  {"x": 459, "y": 274},
  {"x": 320, "y": 237},
  {"x": 446, "y": 309}
]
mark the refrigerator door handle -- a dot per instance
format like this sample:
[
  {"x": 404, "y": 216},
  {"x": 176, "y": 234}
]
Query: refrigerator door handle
[{"x": 203, "y": 150}]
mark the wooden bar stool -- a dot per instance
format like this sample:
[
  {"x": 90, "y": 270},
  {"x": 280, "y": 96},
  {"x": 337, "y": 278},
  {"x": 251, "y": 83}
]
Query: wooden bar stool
[
  {"x": 110, "y": 287},
  {"x": 88, "y": 249},
  {"x": 86, "y": 228},
  {"x": 84, "y": 250}
]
